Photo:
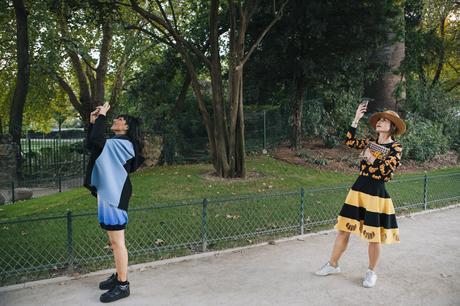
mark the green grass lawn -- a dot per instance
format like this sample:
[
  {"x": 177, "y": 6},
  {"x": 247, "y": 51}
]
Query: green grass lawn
[
  {"x": 166, "y": 214},
  {"x": 187, "y": 182}
]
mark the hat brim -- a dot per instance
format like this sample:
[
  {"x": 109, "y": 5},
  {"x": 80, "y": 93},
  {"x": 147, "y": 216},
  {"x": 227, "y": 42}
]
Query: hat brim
[{"x": 398, "y": 122}]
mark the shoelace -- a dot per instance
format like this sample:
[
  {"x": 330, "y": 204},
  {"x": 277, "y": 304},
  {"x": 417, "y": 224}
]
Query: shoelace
[
  {"x": 325, "y": 266},
  {"x": 369, "y": 275}
]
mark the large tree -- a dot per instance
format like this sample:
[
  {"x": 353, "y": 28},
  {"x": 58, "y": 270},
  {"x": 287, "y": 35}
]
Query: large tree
[
  {"x": 318, "y": 46},
  {"x": 167, "y": 23}
]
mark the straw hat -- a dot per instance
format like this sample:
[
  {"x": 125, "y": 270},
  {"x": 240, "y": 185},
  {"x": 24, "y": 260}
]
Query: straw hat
[{"x": 393, "y": 117}]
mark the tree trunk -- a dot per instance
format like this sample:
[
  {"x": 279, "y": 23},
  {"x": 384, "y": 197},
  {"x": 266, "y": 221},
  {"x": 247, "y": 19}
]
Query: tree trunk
[
  {"x": 442, "y": 27},
  {"x": 22, "y": 79},
  {"x": 383, "y": 89},
  {"x": 240, "y": 151},
  {"x": 179, "y": 105},
  {"x": 296, "y": 114},
  {"x": 391, "y": 54}
]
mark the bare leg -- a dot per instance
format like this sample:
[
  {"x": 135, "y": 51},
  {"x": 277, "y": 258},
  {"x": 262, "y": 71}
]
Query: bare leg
[
  {"x": 340, "y": 245},
  {"x": 120, "y": 253},
  {"x": 374, "y": 253}
]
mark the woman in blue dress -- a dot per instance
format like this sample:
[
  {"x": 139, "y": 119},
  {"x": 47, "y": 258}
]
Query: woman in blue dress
[{"x": 107, "y": 178}]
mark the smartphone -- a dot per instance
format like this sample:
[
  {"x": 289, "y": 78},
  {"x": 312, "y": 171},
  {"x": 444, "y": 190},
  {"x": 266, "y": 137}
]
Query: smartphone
[{"x": 367, "y": 101}]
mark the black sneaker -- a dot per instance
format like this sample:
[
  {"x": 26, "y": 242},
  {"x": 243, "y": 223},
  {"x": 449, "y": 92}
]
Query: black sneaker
[
  {"x": 109, "y": 283},
  {"x": 116, "y": 293}
]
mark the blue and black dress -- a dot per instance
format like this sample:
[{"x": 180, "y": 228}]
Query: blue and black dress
[{"x": 107, "y": 175}]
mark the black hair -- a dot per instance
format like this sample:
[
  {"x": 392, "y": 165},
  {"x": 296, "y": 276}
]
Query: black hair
[{"x": 134, "y": 133}]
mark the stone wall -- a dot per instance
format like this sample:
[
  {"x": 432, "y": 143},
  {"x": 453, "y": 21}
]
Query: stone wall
[
  {"x": 153, "y": 145},
  {"x": 8, "y": 156}
]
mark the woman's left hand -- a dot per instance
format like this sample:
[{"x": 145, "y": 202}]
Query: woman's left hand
[{"x": 367, "y": 155}]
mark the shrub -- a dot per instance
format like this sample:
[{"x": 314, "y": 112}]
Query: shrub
[{"x": 423, "y": 139}]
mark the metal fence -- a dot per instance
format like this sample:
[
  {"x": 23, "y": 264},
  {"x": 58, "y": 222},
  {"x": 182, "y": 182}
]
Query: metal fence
[
  {"x": 57, "y": 161},
  {"x": 41, "y": 247}
]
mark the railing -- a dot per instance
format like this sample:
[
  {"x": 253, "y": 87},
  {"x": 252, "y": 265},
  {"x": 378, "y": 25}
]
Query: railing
[{"x": 47, "y": 246}]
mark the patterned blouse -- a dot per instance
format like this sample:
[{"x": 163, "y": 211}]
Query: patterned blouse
[{"x": 380, "y": 169}]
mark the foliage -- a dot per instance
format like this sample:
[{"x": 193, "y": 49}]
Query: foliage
[
  {"x": 153, "y": 95},
  {"x": 423, "y": 140}
]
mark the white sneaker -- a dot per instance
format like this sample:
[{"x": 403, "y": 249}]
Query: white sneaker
[
  {"x": 327, "y": 269},
  {"x": 370, "y": 279}
]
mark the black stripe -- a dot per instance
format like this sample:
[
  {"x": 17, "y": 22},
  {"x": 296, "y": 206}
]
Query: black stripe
[
  {"x": 370, "y": 186},
  {"x": 114, "y": 227},
  {"x": 125, "y": 195},
  {"x": 370, "y": 218}
]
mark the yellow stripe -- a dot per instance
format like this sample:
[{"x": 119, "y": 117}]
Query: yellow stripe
[
  {"x": 370, "y": 202},
  {"x": 368, "y": 233}
]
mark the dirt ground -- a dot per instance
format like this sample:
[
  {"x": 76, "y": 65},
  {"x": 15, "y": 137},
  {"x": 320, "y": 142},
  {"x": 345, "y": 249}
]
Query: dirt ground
[
  {"x": 315, "y": 154},
  {"x": 423, "y": 270}
]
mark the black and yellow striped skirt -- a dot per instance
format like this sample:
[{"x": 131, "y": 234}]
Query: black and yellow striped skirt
[{"x": 369, "y": 212}]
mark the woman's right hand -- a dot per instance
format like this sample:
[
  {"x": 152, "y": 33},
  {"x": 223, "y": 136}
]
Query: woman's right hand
[
  {"x": 94, "y": 114},
  {"x": 362, "y": 108},
  {"x": 104, "y": 109}
]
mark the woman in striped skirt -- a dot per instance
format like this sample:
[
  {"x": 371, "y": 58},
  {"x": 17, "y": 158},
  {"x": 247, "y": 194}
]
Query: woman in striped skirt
[{"x": 368, "y": 210}]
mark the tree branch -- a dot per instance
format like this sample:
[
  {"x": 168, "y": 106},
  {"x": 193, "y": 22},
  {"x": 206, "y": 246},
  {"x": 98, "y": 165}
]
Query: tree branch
[
  {"x": 453, "y": 67},
  {"x": 88, "y": 64},
  {"x": 163, "y": 13},
  {"x": 91, "y": 79},
  {"x": 278, "y": 16},
  {"x": 453, "y": 87},
  {"x": 68, "y": 90},
  {"x": 160, "y": 22},
  {"x": 74, "y": 59},
  {"x": 173, "y": 13},
  {"x": 166, "y": 40}
]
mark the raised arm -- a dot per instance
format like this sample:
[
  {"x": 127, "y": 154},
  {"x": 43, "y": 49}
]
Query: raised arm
[
  {"x": 96, "y": 130},
  {"x": 350, "y": 140}
]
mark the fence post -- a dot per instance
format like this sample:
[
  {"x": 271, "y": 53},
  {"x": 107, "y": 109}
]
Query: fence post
[
  {"x": 29, "y": 143},
  {"x": 59, "y": 181},
  {"x": 302, "y": 210},
  {"x": 204, "y": 229},
  {"x": 265, "y": 130},
  {"x": 12, "y": 192},
  {"x": 84, "y": 161},
  {"x": 69, "y": 241},
  {"x": 425, "y": 191}
]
